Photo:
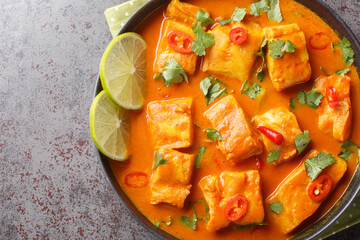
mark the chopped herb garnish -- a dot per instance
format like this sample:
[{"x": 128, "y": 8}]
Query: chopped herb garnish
[
  {"x": 258, "y": 7},
  {"x": 345, "y": 154},
  {"x": 190, "y": 223},
  {"x": 276, "y": 207},
  {"x": 207, "y": 214},
  {"x": 312, "y": 98},
  {"x": 211, "y": 89},
  {"x": 237, "y": 16},
  {"x": 253, "y": 91},
  {"x": 167, "y": 223},
  {"x": 203, "y": 39},
  {"x": 292, "y": 103},
  {"x": 199, "y": 156},
  {"x": 277, "y": 48},
  {"x": 203, "y": 17},
  {"x": 260, "y": 73},
  {"x": 347, "y": 52},
  {"x": 342, "y": 72},
  {"x": 349, "y": 144},
  {"x": 213, "y": 135},
  {"x": 299, "y": 14},
  {"x": 156, "y": 223},
  {"x": 172, "y": 73},
  {"x": 159, "y": 160},
  {"x": 315, "y": 165},
  {"x": 196, "y": 125},
  {"x": 301, "y": 141},
  {"x": 251, "y": 225},
  {"x": 273, "y": 156},
  {"x": 274, "y": 12},
  {"x": 323, "y": 69}
]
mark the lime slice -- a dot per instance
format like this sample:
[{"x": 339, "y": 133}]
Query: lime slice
[
  {"x": 122, "y": 70},
  {"x": 109, "y": 127}
]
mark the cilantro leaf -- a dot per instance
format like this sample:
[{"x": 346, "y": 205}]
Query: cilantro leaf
[
  {"x": 159, "y": 160},
  {"x": 203, "y": 17},
  {"x": 207, "y": 213},
  {"x": 203, "y": 39},
  {"x": 274, "y": 11},
  {"x": 211, "y": 89},
  {"x": 199, "y": 156},
  {"x": 157, "y": 224},
  {"x": 342, "y": 72},
  {"x": 253, "y": 91},
  {"x": 260, "y": 73},
  {"x": 275, "y": 47},
  {"x": 348, "y": 144},
  {"x": 323, "y": 69},
  {"x": 213, "y": 135},
  {"x": 315, "y": 165},
  {"x": 172, "y": 73},
  {"x": 190, "y": 223},
  {"x": 289, "y": 47},
  {"x": 301, "y": 141},
  {"x": 251, "y": 225},
  {"x": 225, "y": 21},
  {"x": 347, "y": 52},
  {"x": 196, "y": 125},
  {"x": 292, "y": 103},
  {"x": 312, "y": 98},
  {"x": 345, "y": 154},
  {"x": 276, "y": 207},
  {"x": 167, "y": 223},
  {"x": 258, "y": 7},
  {"x": 238, "y": 14},
  {"x": 273, "y": 156}
]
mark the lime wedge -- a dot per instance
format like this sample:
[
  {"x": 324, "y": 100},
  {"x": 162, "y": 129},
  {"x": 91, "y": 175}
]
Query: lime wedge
[
  {"x": 109, "y": 127},
  {"x": 122, "y": 70}
]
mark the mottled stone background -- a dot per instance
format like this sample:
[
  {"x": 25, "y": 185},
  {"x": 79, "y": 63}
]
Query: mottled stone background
[{"x": 52, "y": 184}]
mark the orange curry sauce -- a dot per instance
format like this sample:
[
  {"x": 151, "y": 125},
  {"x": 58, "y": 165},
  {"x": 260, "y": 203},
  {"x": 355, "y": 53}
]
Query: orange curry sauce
[{"x": 214, "y": 162}]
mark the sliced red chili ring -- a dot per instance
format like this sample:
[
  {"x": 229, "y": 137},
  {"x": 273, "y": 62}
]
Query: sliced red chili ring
[
  {"x": 238, "y": 35},
  {"x": 180, "y": 41},
  {"x": 273, "y": 135},
  {"x": 319, "y": 41},
  {"x": 331, "y": 96},
  {"x": 136, "y": 179},
  {"x": 320, "y": 188},
  {"x": 259, "y": 163},
  {"x": 236, "y": 207}
]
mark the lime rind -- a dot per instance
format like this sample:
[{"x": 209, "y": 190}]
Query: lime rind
[
  {"x": 122, "y": 70},
  {"x": 109, "y": 127}
]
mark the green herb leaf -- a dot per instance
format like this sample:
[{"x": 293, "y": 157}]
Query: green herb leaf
[
  {"x": 299, "y": 14},
  {"x": 258, "y": 7},
  {"x": 275, "y": 47},
  {"x": 312, "y": 98},
  {"x": 292, "y": 103},
  {"x": 253, "y": 91},
  {"x": 159, "y": 160},
  {"x": 196, "y": 125},
  {"x": 260, "y": 73},
  {"x": 274, "y": 11},
  {"x": 189, "y": 223},
  {"x": 225, "y": 21},
  {"x": 289, "y": 47},
  {"x": 273, "y": 156},
  {"x": 199, "y": 156},
  {"x": 323, "y": 69},
  {"x": 276, "y": 207},
  {"x": 345, "y": 154},
  {"x": 172, "y": 73},
  {"x": 203, "y": 17},
  {"x": 342, "y": 72},
  {"x": 213, "y": 135},
  {"x": 202, "y": 40},
  {"x": 251, "y": 225},
  {"x": 238, "y": 14},
  {"x": 167, "y": 223},
  {"x": 349, "y": 144},
  {"x": 315, "y": 165},
  {"x": 156, "y": 223},
  {"x": 347, "y": 52},
  {"x": 211, "y": 89},
  {"x": 301, "y": 141}
]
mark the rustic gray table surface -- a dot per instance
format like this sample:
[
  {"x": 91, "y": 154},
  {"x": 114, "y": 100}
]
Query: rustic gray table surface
[{"x": 52, "y": 184}]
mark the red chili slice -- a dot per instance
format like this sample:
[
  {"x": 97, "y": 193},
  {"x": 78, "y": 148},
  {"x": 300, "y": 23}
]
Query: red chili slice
[
  {"x": 238, "y": 35},
  {"x": 319, "y": 41},
  {"x": 236, "y": 207},
  {"x": 136, "y": 179},
  {"x": 180, "y": 41},
  {"x": 320, "y": 188},
  {"x": 274, "y": 136},
  {"x": 259, "y": 163},
  {"x": 331, "y": 96}
]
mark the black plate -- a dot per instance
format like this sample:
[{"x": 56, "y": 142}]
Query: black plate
[{"x": 330, "y": 17}]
